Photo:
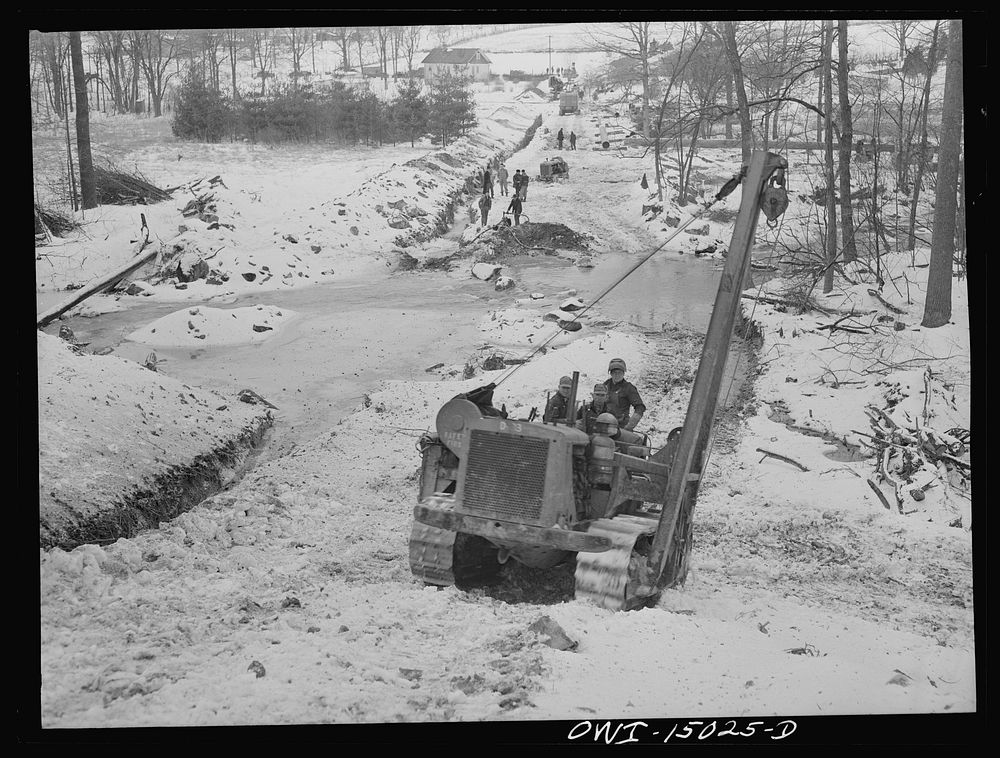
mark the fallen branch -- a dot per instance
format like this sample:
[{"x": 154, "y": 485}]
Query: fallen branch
[
  {"x": 773, "y": 301},
  {"x": 108, "y": 280},
  {"x": 878, "y": 492},
  {"x": 768, "y": 453},
  {"x": 875, "y": 294},
  {"x": 880, "y": 441},
  {"x": 852, "y": 330}
]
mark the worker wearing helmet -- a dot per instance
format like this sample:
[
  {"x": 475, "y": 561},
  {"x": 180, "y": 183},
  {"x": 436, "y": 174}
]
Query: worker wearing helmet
[
  {"x": 555, "y": 409},
  {"x": 589, "y": 412},
  {"x": 623, "y": 398}
]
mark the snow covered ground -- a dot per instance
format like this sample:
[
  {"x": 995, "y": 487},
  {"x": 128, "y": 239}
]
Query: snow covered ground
[{"x": 288, "y": 599}]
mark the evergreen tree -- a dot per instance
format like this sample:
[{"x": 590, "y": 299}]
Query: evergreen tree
[
  {"x": 201, "y": 112},
  {"x": 452, "y": 108},
  {"x": 410, "y": 111}
]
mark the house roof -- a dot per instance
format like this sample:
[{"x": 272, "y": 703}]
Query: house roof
[{"x": 456, "y": 55}]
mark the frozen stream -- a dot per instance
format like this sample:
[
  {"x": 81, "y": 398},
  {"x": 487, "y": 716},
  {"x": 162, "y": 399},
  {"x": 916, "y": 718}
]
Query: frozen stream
[{"x": 316, "y": 369}]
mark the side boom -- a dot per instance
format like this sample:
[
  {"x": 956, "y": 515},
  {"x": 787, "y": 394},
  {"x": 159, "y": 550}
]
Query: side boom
[{"x": 681, "y": 491}]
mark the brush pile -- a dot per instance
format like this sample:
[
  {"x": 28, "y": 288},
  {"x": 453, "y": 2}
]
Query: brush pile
[
  {"x": 116, "y": 187},
  {"x": 49, "y": 223},
  {"x": 913, "y": 456}
]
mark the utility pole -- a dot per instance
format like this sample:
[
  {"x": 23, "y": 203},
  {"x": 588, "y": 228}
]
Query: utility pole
[{"x": 550, "y": 56}]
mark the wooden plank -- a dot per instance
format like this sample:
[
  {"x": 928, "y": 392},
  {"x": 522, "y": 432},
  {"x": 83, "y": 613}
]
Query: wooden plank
[{"x": 43, "y": 319}]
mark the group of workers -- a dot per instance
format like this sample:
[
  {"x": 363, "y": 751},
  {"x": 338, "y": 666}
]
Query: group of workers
[
  {"x": 615, "y": 397},
  {"x": 520, "y": 181}
]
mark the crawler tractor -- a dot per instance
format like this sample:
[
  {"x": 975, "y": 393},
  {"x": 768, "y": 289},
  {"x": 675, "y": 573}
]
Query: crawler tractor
[{"x": 494, "y": 488}]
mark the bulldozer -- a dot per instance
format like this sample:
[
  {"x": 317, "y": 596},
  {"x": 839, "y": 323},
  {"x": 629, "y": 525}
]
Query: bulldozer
[
  {"x": 552, "y": 169},
  {"x": 494, "y": 488}
]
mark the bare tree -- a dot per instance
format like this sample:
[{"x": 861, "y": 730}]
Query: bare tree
[
  {"x": 727, "y": 33},
  {"x": 937, "y": 305},
  {"x": 88, "y": 184},
  {"x": 383, "y": 34},
  {"x": 397, "y": 45},
  {"x": 905, "y": 98},
  {"x": 831, "y": 201},
  {"x": 846, "y": 139},
  {"x": 922, "y": 152},
  {"x": 774, "y": 57},
  {"x": 261, "y": 46},
  {"x": 53, "y": 50},
  {"x": 631, "y": 40},
  {"x": 111, "y": 46},
  {"x": 360, "y": 36},
  {"x": 298, "y": 40},
  {"x": 412, "y": 37},
  {"x": 441, "y": 33},
  {"x": 155, "y": 49},
  {"x": 235, "y": 42},
  {"x": 342, "y": 36},
  {"x": 203, "y": 49},
  {"x": 691, "y": 63},
  {"x": 899, "y": 30}
]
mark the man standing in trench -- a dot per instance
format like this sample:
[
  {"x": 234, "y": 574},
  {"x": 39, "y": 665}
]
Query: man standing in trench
[
  {"x": 502, "y": 179},
  {"x": 515, "y": 208},
  {"x": 623, "y": 397},
  {"x": 485, "y": 203}
]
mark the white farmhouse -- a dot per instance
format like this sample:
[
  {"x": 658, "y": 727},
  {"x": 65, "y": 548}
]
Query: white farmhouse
[{"x": 464, "y": 61}]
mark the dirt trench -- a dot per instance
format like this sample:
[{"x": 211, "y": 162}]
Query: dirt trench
[{"x": 167, "y": 495}]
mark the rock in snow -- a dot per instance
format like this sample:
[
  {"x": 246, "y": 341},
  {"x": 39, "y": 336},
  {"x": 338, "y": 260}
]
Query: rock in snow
[{"x": 485, "y": 271}]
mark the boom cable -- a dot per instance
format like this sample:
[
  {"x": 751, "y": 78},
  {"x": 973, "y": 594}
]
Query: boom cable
[{"x": 726, "y": 189}]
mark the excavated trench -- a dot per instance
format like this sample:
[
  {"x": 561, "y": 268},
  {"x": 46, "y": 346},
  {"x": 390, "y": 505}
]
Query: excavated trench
[{"x": 168, "y": 494}]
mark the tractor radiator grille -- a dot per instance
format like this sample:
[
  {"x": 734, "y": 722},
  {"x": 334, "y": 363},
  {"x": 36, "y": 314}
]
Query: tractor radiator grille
[{"x": 505, "y": 477}]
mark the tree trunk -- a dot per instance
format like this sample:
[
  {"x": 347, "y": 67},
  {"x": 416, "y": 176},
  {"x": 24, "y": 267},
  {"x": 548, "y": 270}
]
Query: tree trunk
[
  {"x": 831, "y": 199},
  {"x": 819, "y": 96},
  {"x": 88, "y": 184},
  {"x": 732, "y": 55},
  {"x": 729, "y": 106},
  {"x": 846, "y": 140},
  {"x": 644, "y": 53},
  {"x": 55, "y": 71},
  {"x": 232, "y": 65},
  {"x": 937, "y": 306},
  {"x": 960, "y": 215},
  {"x": 911, "y": 234}
]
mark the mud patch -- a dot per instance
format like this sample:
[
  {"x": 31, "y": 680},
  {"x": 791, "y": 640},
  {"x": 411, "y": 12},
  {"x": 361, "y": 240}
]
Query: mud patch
[{"x": 504, "y": 241}]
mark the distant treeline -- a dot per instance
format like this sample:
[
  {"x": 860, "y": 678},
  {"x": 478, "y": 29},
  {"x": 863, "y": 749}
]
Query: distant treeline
[{"x": 300, "y": 113}]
